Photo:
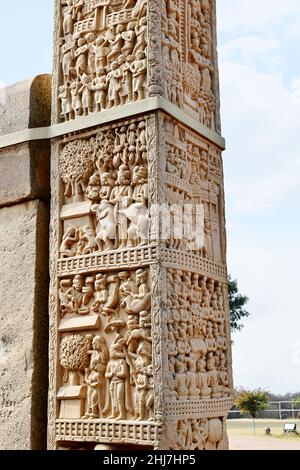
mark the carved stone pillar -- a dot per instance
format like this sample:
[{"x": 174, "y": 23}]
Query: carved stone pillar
[{"x": 139, "y": 321}]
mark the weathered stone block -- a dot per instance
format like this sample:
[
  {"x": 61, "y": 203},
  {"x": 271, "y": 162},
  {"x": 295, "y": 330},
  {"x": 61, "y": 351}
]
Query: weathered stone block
[
  {"x": 24, "y": 170},
  {"x": 23, "y": 325},
  {"x": 27, "y": 105}
]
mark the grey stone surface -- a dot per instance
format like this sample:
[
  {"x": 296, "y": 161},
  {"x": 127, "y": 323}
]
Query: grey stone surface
[
  {"x": 23, "y": 325},
  {"x": 24, "y": 171},
  {"x": 26, "y": 105}
]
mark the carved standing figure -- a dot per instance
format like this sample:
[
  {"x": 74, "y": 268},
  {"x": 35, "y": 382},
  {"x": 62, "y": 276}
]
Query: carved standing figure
[{"x": 95, "y": 378}]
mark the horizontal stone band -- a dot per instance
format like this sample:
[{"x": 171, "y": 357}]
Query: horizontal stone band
[{"x": 104, "y": 117}]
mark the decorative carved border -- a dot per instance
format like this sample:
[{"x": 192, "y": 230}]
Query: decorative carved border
[
  {"x": 131, "y": 257},
  {"x": 155, "y": 67},
  {"x": 53, "y": 295},
  {"x": 107, "y": 431},
  {"x": 192, "y": 409},
  {"x": 186, "y": 261}
]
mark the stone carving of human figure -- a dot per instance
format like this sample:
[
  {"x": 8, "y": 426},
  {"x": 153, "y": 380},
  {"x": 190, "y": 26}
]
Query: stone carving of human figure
[
  {"x": 68, "y": 18},
  {"x": 87, "y": 243},
  {"x": 203, "y": 377},
  {"x": 100, "y": 87},
  {"x": 106, "y": 186},
  {"x": 110, "y": 308},
  {"x": 67, "y": 58},
  {"x": 142, "y": 143},
  {"x": 139, "y": 71},
  {"x": 116, "y": 40},
  {"x": 139, "y": 344},
  {"x": 101, "y": 50},
  {"x": 206, "y": 80},
  {"x": 192, "y": 379},
  {"x": 181, "y": 378},
  {"x": 86, "y": 94},
  {"x": 106, "y": 228},
  {"x": 121, "y": 147},
  {"x": 77, "y": 9},
  {"x": 75, "y": 295},
  {"x": 184, "y": 435},
  {"x": 138, "y": 299},
  {"x": 127, "y": 287},
  {"x": 117, "y": 373},
  {"x": 93, "y": 188},
  {"x": 64, "y": 287},
  {"x": 121, "y": 197},
  {"x": 129, "y": 37},
  {"x": 213, "y": 376},
  {"x": 113, "y": 78},
  {"x": 125, "y": 92},
  {"x": 64, "y": 93},
  {"x": 81, "y": 57},
  {"x": 69, "y": 242},
  {"x": 210, "y": 339},
  {"x": 207, "y": 249},
  {"x": 137, "y": 212},
  {"x": 95, "y": 378},
  {"x": 76, "y": 98},
  {"x": 141, "y": 36},
  {"x": 199, "y": 436},
  {"x": 101, "y": 293},
  {"x": 91, "y": 59}
]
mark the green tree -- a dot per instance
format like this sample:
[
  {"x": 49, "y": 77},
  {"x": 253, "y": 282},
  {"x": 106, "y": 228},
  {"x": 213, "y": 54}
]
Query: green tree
[
  {"x": 237, "y": 303},
  {"x": 252, "y": 401}
]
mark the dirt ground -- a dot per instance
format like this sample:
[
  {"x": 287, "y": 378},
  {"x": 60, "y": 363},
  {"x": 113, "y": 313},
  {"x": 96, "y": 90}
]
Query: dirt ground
[
  {"x": 262, "y": 443},
  {"x": 241, "y": 435}
]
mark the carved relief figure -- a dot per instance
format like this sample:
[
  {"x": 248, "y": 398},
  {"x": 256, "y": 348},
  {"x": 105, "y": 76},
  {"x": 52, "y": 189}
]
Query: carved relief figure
[
  {"x": 102, "y": 55},
  {"x": 95, "y": 378}
]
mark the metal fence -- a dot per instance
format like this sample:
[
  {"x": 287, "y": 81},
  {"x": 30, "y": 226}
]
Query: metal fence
[{"x": 275, "y": 410}]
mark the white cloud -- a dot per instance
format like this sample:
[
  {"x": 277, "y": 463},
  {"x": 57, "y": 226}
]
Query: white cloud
[
  {"x": 261, "y": 123},
  {"x": 248, "y": 47},
  {"x": 258, "y": 15},
  {"x": 265, "y": 353},
  {"x": 260, "y": 97},
  {"x": 295, "y": 88}
]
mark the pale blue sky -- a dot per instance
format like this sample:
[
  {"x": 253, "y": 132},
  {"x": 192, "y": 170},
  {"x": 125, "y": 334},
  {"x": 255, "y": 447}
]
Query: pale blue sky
[{"x": 260, "y": 89}]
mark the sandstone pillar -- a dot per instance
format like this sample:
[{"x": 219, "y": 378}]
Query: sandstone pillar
[
  {"x": 24, "y": 273},
  {"x": 139, "y": 321}
]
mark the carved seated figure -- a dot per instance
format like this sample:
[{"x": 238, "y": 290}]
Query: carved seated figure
[
  {"x": 205, "y": 390},
  {"x": 101, "y": 293},
  {"x": 75, "y": 295},
  {"x": 181, "y": 378},
  {"x": 192, "y": 379},
  {"x": 92, "y": 190},
  {"x": 213, "y": 375},
  {"x": 136, "y": 303},
  {"x": 87, "y": 243},
  {"x": 68, "y": 245}
]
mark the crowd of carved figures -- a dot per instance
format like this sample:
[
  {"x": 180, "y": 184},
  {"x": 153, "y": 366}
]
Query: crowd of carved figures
[
  {"x": 102, "y": 54},
  {"x": 188, "y": 55},
  {"x": 197, "y": 344},
  {"x": 114, "y": 365},
  {"x": 200, "y": 434},
  {"x": 193, "y": 178},
  {"x": 110, "y": 172}
]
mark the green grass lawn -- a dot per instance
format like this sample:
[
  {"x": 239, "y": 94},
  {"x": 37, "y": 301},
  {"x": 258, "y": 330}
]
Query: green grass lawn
[{"x": 244, "y": 427}]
